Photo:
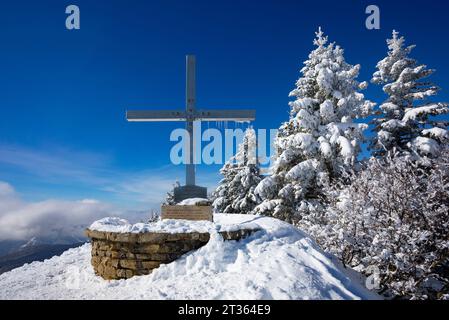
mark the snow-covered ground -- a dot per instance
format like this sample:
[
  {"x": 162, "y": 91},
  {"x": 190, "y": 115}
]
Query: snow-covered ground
[
  {"x": 222, "y": 222},
  {"x": 279, "y": 262}
]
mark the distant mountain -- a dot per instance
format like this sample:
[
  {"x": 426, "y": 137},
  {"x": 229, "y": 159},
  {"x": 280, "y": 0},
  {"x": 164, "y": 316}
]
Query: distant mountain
[
  {"x": 9, "y": 246},
  {"x": 19, "y": 253},
  {"x": 31, "y": 243}
]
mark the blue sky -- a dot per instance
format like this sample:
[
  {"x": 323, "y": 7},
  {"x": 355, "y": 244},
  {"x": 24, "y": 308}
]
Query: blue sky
[{"x": 63, "y": 94}]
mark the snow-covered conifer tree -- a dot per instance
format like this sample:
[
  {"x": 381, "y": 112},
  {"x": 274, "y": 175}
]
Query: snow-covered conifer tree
[
  {"x": 170, "y": 198},
  {"x": 235, "y": 194},
  {"x": 321, "y": 138},
  {"x": 222, "y": 197},
  {"x": 405, "y": 124}
]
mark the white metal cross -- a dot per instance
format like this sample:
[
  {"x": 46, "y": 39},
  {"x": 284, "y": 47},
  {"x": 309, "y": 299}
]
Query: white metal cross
[{"x": 190, "y": 115}]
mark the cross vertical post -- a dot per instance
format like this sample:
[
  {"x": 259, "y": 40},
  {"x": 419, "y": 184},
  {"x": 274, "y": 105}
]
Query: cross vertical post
[{"x": 190, "y": 111}]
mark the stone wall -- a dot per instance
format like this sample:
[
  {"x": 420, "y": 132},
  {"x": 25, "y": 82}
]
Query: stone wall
[{"x": 124, "y": 255}]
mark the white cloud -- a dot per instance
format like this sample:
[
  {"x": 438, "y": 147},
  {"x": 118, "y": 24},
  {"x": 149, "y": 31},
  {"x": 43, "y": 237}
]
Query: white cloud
[
  {"x": 65, "y": 221},
  {"x": 5, "y": 189},
  {"x": 57, "y": 164},
  {"x": 136, "y": 190},
  {"x": 134, "y": 194},
  {"x": 149, "y": 189},
  {"x": 8, "y": 198},
  {"x": 50, "y": 220}
]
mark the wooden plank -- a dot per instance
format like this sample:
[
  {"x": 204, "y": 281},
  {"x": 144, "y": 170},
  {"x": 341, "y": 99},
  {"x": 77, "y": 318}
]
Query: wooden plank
[{"x": 194, "y": 213}]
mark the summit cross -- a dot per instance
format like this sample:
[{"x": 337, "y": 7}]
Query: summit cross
[{"x": 189, "y": 115}]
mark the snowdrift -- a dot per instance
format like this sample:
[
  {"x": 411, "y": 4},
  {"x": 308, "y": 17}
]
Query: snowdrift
[{"x": 279, "y": 262}]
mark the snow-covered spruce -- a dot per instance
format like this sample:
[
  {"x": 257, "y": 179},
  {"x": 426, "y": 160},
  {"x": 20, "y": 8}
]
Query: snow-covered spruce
[
  {"x": 406, "y": 124},
  {"x": 221, "y": 196},
  {"x": 321, "y": 138},
  {"x": 241, "y": 175},
  {"x": 394, "y": 217},
  {"x": 170, "y": 198},
  {"x": 279, "y": 262}
]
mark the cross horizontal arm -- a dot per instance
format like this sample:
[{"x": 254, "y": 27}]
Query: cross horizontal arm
[
  {"x": 156, "y": 115},
  {"x": 226, "y": 115}
]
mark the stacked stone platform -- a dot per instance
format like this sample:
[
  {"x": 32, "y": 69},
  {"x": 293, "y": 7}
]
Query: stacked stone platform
[{"x": 118, "y": 255}]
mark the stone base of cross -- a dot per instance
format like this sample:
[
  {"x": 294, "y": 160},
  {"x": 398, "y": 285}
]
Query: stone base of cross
[
  {"x": 188, "y": 192},
  {"x": 191, "y": 114}
]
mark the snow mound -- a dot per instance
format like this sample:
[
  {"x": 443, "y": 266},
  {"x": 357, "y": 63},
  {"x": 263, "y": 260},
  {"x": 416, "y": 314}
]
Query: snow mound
[
  {"x": 111, "y": 224},
  {"x": 278, "y": 262},
  {"x": 221, "y": 223},
  {"x": 194, "y": 202}
]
